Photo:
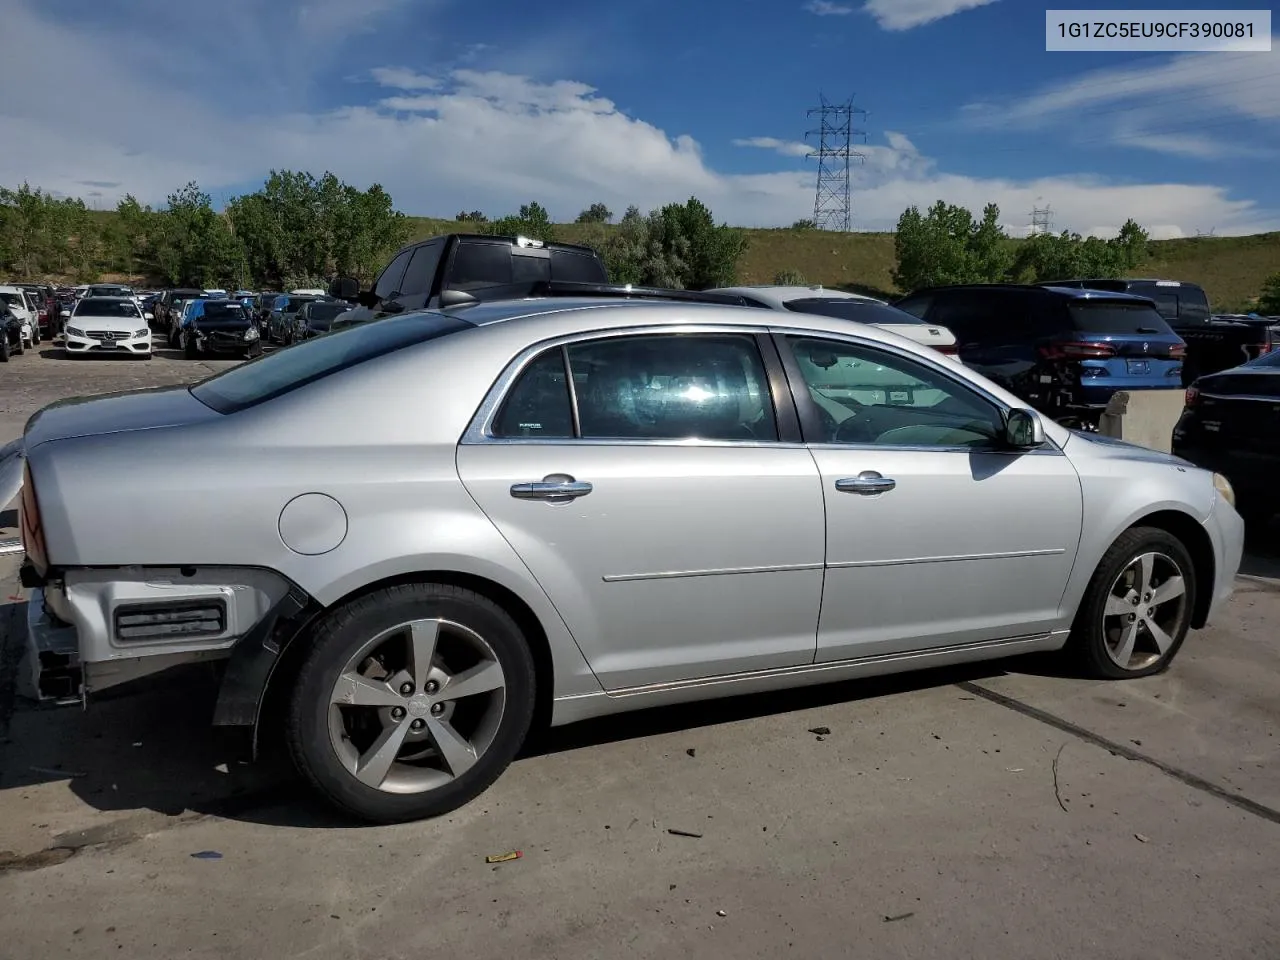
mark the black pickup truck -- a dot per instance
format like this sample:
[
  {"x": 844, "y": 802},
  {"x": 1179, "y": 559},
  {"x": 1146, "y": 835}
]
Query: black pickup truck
[
  {"x": 461, "y": 268},
  {"x": 1213, "y": 343}
]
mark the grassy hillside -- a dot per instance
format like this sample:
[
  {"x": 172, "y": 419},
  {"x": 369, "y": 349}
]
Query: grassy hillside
[{"x": 1231, "y": 269}]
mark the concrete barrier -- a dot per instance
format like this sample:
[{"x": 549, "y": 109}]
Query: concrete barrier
[{"x": 1144, "y": 417}]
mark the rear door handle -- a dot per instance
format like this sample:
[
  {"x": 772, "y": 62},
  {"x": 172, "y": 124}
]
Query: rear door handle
[
  {"x": 555, "y": 488},
  {"x": 867, "y": 483}
]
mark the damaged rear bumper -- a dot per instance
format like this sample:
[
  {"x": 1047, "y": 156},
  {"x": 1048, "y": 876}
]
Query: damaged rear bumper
[{"x": 96, "y": 629}]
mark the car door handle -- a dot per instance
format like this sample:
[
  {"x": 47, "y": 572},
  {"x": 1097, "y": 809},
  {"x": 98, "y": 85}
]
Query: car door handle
[
  {"x": 556, "y": 488},
  {"x": 866, "y": 483}
]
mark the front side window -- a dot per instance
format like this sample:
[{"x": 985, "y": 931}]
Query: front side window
[
  {"x": 659, "y": 387},
  {"x": 861, "y": 395},
  {"x": 422, "y": 269},
  {"x": 389, "y": 282}
]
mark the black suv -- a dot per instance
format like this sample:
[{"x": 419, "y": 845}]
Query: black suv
[
  {"x": 462, "y": 268},
  {"x": 1064, "y": 351}
]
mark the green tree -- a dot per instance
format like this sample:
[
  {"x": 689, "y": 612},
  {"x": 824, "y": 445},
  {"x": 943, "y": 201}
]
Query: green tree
[
  {"x": 299, "y": 226},
  {"x": 1068, "y": 255},
  {"x": 196, "y": 245},
  {"x": 947, "y": 245},
  {"x": 804, "y": 223},
  {"x": 532, "y": 221},
  {"x": 1269, "y": 300},
  {"x": 472, "y": 216},
  {"x": 596, "y": 213}
]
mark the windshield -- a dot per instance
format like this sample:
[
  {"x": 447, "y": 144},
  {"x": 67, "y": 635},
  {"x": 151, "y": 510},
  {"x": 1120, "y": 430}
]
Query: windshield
[
  {"x": 224, "y": 311},
  {"x": 848, "y": 308},
  {"x": 314, "y": 359},
  {"x": 1104, "y": 317},
  {"x": 109, "y": 292},
  {"x": 102, "y": 307},
  {"x": 1266, "y": 360}
]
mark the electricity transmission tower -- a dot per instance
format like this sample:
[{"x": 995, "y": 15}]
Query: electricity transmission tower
[
  {"x": 1041, "y": 220},
  {"x": 835, "y": 135}
]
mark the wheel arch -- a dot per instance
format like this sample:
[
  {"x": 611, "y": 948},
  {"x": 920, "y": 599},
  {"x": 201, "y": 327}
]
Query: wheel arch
[
  {"x": 1191, "y": 533},
  {"x": 266, "y": 685}
]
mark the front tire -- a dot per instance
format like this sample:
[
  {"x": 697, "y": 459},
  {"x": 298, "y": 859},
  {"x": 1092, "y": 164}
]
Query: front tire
[
  {"x": 1137, "y": 609},
  {"x": 411, "y": 702},
  {"x": 5, "y": 349},
  {"x": 189, "y": 346}
]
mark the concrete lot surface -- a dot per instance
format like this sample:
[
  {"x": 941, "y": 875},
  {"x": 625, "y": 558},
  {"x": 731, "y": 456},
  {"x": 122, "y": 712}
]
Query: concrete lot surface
[{"x": 1009, "y": 810}]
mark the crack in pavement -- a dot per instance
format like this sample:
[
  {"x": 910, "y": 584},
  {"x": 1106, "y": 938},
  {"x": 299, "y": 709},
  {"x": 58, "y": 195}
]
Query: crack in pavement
[{"x": 1186, "y": 777}]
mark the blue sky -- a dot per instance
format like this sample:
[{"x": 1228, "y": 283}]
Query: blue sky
[{"x": 460, "y": 105}]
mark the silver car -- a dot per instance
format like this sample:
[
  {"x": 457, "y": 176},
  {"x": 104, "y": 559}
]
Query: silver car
[{"x": 425, "y": 532}]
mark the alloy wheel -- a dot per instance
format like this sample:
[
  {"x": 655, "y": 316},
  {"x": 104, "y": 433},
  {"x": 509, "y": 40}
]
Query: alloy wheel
[
  {"x": 417, "y": 706},
  {"x": 1146, "y": 610}
]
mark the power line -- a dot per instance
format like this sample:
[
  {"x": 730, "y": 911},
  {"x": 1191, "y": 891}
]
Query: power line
[
  {"x": 835, "y": 133},
  {"x": 1041, "y": 220}
]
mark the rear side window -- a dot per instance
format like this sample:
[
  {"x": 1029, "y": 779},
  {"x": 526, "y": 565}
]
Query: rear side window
[
  {"x": 577, "y": 267},
  {"x": 479, "y": 265},
  {"x": 1116, "y": 318},
  {"x": 279, "y": 373},
  {"x": 974, "y": 316},
  {"x": 540, "y": 404},
  {"x": 916, "y": 306},
  {"x": 846, "y": 308}
]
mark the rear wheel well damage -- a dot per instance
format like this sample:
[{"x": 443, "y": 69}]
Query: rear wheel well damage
[
  {"x": 1195, "y": 538},
  {"x": 268, "y": 734}
]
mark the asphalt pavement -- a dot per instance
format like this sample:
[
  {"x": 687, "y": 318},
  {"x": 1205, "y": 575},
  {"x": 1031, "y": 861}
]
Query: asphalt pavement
[{"x": 1005, "y": 810}]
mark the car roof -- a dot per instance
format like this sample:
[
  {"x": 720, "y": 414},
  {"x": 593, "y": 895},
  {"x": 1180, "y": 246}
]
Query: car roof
[
  {"x": 1065, "y": 293},
  {"x": 619, "y": 313},
  {"x": 780, "y": 294}
]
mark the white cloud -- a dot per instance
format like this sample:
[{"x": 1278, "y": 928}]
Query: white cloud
[
  {"x": 824, "y": 8},
  {"x": 402, "y": 78},
  {"x": 471, "y": 139},
  {"x": 787, "y": 148},
  {"x": 905, "y": 14},
  {"x": 1166, "y": 106}
]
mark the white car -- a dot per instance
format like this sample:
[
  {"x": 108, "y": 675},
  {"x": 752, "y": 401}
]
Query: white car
[
  {"x": 847, "y": 306},
  {"x": 20, "y": 303},
  {"x": 309, "y": 292},
  {"x": 107, "y": 325}
]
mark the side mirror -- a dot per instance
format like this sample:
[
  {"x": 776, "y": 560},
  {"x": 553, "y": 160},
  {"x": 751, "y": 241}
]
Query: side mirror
[
  {"x": 344, "y": 288},
  {"x": 64, "y": 313},
  {"x": 1024, "y": 430},
  {"x": 149, "y": 316}
]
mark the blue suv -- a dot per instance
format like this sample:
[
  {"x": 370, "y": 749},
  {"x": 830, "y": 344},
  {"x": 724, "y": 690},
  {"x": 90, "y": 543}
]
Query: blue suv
[{"x": 1064, "y": 351}]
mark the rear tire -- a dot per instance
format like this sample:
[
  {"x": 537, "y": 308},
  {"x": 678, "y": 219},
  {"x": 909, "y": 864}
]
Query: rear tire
[
  {"x": 1137, "y": 608},
  {"x": 5, "y": 349},
  {"x": 336, "y": 724}
]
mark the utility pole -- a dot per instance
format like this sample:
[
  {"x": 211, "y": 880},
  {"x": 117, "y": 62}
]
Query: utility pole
[{"x": 835, "y": 133}]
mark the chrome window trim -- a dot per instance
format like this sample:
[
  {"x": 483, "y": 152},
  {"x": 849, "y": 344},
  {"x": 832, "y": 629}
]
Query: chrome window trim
[
  {"x": 1050, "y": 445},
  {"x": 480, "y": 429}
]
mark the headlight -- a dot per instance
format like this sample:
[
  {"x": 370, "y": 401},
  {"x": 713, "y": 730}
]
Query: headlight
[
  {"x": 251, "y": 333},
  {"x": 141, "y": 333},
  {"x": 1223, "y": 486},
  {"x": 75, "y": 331}
]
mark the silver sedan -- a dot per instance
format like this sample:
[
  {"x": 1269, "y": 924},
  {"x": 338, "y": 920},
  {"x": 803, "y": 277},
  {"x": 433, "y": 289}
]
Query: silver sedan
[{"x": 423, "y": 533}]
